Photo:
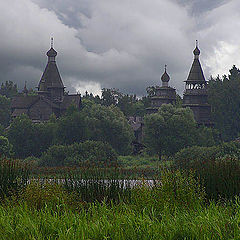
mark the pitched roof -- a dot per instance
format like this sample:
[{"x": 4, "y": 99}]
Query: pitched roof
[
  {"x": 23, "y": 101},
  {"x": 18, "y": 112},
  {"x": 196, "y": 73},
  {"x": 51, "y": 77}
]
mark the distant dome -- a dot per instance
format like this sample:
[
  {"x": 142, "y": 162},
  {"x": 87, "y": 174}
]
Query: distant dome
[
  {"x": 196, "y": 51},
  {"x": 165, "y": 77},
  {"x": 51, "y": 53}
]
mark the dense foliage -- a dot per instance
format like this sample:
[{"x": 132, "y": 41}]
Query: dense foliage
[
  {"x": 5, "y": 110},
  {"x": 5, "y": 147},
  {"x": 217, "y": 166},
  {"x": 224, "y": 99},
  {"x": 130, "y": 105},
  {"x": 8, "y": 89},
  {"x": 94, "y": 122},
  {"x": 172, "y": 128},
  {"x": 89, "y": 153},
  {"x": 28, "y": 138}
]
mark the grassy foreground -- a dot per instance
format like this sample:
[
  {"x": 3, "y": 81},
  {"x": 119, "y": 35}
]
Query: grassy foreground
[
  {"x": 100, "y": 221},
  {"x": 89, "y": 205}
]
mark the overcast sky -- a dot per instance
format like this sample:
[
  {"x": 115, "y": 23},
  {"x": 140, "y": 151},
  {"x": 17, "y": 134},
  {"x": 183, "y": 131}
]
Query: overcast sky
[{"x": 121, "y": 44}]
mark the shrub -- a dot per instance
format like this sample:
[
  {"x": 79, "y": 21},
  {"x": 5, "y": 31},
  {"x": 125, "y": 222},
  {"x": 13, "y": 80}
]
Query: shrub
[
  {"x": 31, "y": 161},
  {"x": 39, "y": 194},
  {"x": 218, "y": 167},
  {"x": 89, "y": 152},
  {"x": 194, "y": 157},
  {"x": 5, "y": 147},
  {"x": 29, "y": 139}
]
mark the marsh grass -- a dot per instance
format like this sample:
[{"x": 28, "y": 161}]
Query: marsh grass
[
  {"x": 221, "y": 177},
  {"x": 98, "y": 184},
  {"x": 13, "y": 177},
  {"x": 95, "y": 204}
]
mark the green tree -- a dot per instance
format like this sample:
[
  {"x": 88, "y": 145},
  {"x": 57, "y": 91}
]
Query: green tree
[
  {"x": 224, "y": 99},
  {"x": 5, "y": 147},
  {"x": 206, "y": 137},
  {"x": 5, "y": 110},
  {"x": 22, "y": 136},
  {"x": 9, "y": 89},
  {"x": 29, "y": 139},
  {"x": 169, "y": 130},
  {"x": 72, "y": 127},
  {"x": 108, "y": 124},
  {"x": 110, "y": 96},
  {"x": 93, "y": 153}
]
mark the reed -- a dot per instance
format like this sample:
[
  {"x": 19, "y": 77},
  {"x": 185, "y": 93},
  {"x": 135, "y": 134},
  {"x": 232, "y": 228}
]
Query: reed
[
  {"x": 98, "y": 184},
  {"x": 13, "y": 177}
]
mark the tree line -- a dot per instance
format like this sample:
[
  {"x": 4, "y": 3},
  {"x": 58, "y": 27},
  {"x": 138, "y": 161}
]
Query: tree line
[{"x": 104, "y": 119}]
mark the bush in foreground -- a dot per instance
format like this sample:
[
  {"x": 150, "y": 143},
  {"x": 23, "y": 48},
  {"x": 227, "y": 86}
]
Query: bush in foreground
[{"x": 218, "y": 167}]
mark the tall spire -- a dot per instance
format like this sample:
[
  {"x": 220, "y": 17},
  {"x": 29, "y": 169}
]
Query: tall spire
[
  {"x": 196, "y": 73},
  {"x": 25, "y": 90},
  {"x": 51, "y": 82}
]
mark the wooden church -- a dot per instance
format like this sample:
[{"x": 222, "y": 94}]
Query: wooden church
[{"x": 50, "y": 98}]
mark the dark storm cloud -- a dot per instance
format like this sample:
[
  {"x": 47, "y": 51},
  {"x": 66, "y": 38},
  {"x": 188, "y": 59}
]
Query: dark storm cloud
[
  {"x": 68, "y": 11},
  {"x": 107, "y": 44}
]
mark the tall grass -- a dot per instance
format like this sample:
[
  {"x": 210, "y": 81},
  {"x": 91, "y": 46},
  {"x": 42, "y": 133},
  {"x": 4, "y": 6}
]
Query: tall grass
[
  {"x": 221, "y": 178},
  {"x": 171, "y": 208},
  {"x": 101, "y": 221},
  {"x": 13, "y": 177},
  {"x": 218, "y": 168},
  {"x": 98, "y": 184}
]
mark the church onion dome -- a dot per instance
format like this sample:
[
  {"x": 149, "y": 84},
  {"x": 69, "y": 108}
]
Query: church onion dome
[
  {"x": 165, "y": 77},
  {"x": 51, "y": 53},
  {"x": 196, "y": 51}
]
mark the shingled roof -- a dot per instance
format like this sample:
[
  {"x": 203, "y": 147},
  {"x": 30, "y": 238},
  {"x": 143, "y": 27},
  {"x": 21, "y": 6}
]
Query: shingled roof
[
  {"x": 196, "y": 72},
  {"x": 51, "y": 77},
  {"x": 23, "y": 102}
]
